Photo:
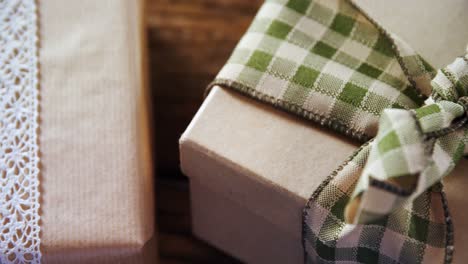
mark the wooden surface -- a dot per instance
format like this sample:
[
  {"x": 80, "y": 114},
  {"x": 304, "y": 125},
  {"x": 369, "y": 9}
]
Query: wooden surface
[{"x": 189, "y": 41}]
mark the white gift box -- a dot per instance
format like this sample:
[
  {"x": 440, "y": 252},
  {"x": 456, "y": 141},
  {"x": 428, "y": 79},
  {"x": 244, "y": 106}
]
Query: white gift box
[{"x": 252, "y": 167}]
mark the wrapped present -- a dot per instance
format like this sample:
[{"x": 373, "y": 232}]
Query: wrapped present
[
  {"x": 253, "y": 167},
  {"x": 82, "y": 191}
]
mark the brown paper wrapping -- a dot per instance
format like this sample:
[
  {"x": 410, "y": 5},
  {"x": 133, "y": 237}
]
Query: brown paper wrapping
[
  {"x": 252, "y": 167},
  {"x": 96, "y": 175}
]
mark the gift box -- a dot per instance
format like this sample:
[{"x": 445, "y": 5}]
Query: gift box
[
  {"x": 252, "y": 167},
  {"x": 95, "y": 172}
]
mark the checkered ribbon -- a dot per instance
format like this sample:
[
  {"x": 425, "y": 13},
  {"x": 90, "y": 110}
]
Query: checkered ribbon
[
  {"x": 414, "y": 149},
  {"x": 329, "y": 62}
]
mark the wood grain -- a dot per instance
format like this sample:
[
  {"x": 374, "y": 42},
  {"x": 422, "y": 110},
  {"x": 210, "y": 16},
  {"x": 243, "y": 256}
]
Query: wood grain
[{"x": 189, "y": 41}]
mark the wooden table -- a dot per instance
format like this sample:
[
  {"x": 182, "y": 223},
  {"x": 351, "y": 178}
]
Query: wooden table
[{"x": 189, "y": 41}]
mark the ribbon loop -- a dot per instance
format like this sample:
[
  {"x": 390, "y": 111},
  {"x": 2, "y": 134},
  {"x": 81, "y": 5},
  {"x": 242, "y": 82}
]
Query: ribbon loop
[
  {"x": 451, "y": 82},
  {"x": 414, "y": 149}
]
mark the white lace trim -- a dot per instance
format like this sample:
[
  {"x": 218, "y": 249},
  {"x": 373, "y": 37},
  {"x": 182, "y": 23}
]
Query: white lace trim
[{"x": 19, "y": 183}]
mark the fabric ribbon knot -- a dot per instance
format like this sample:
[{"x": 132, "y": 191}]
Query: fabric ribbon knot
[
  {"x": 331, "y": 63},
  {"x": 414, "y": 149}
]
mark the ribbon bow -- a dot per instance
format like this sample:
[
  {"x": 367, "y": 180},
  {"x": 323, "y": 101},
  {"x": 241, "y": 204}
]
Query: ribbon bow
[
  {"x": 329, "y": 62},
  {"x": 414, "y": 149}
]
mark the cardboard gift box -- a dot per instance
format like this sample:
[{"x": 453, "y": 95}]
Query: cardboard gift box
[
  {"x": 95, "y": 169},
  {"x": 253, "y": 167}
]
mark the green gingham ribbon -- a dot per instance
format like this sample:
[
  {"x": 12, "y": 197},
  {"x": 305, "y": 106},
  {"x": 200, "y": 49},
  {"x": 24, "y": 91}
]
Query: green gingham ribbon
[
  {"x": 328, "y": 61},
  {"x": 413, "y": 150}
]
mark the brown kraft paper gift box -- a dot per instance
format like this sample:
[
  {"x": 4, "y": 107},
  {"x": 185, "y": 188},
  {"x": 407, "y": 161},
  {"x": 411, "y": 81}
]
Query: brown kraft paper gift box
[
  {"x": 95, "y": 170},
  {"x": 252, "y": 167}
]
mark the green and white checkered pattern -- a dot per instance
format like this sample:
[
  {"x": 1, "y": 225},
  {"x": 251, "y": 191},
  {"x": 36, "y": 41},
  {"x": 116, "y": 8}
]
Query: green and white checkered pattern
[
  {"x": 451, "y": 83},
  {"x": 403, "y": 149},
  {"x": 327, "y": 61},
  {"x": 415, "y": 233},
  {"x": 415, "y": 149},
  {"x": 402, "y": 215}
]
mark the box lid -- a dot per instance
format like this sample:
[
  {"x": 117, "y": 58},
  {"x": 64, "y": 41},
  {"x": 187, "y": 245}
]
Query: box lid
[{"x": 271, "y": 162}]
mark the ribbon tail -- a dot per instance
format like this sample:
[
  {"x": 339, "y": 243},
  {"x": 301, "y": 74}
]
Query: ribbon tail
[{"x": 404, "y": 161}]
